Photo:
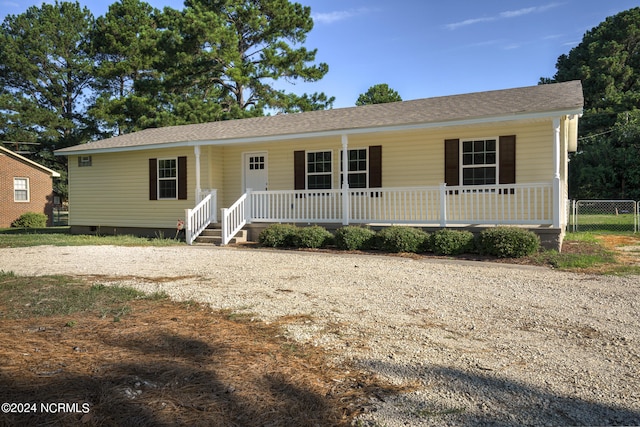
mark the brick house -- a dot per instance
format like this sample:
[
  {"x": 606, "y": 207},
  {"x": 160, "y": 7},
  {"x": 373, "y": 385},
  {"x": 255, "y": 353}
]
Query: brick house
[{"x": 25, "y": 186}]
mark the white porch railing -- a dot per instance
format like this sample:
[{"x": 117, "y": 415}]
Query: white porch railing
[
  {"x": 514, "y": 204},
  {"x": 234, "y": 218},
  {"x": 198, "y": 218},
  {"x": 441, "y": 205}
]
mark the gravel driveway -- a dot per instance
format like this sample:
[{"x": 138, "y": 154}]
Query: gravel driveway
[{"x": 485, "y": 343}]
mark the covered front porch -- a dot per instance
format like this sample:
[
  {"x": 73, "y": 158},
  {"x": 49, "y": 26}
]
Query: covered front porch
[{"x": 438, "y": 206}]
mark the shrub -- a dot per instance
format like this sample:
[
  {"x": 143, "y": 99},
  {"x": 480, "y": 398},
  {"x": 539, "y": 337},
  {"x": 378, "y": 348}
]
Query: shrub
[
  {"x": 30, "y": 220},
  {"x": 402, "y": 239},
  {"x": 278, "y": 235},
  {"x": 451, "y": 242},
  {"x": 354, "y": 238},
  {"x": 312, "y": 237},
  {"x": 508, "y": 242}
]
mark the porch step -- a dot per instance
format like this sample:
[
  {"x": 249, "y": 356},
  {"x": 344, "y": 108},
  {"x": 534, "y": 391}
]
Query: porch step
[{"x": 212, "y": 235}]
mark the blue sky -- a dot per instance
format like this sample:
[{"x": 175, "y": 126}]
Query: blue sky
[{"x": 424, "y": 48}]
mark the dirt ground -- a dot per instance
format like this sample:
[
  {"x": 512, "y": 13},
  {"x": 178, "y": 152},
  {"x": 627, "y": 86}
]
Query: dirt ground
[
  {"x": 626, "y": 248},
  {"x": 169, "y": 363}
]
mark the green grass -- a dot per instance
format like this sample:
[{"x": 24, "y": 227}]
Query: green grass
[
  {"x": 28, "y": 297},
  {"x": 605, "y": 223},
  {"x": 59, "y": 236},
  {"x": 584, "y": 252}
]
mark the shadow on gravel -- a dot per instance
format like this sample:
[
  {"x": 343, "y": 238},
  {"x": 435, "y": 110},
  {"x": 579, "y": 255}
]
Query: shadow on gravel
[{"x": 484, "y": 399}]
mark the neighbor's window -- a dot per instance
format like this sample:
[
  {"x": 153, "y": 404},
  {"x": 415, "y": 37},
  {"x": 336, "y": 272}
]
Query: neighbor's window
[
  {"x": 21, "y": 189},
  {"x": 84, "y": 161},
  {"x": 167, "y": 178},
  {"x": 479, "y": 161},
  {"x": 358, "y": 170},
  {"x": 319, "y": 170}
]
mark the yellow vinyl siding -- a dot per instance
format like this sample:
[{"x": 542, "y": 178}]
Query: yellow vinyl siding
[
  {"x": 114, "y": 191},
  {"x": 409, "y": 158}
]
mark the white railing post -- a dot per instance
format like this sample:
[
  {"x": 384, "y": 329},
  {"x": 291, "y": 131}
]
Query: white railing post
[
  {"x": 214, "y": 205},
  {"x": 224, "y": 223},
  {"x": 443, "y": 205},
  {"x": 188, "y": 228},
  {"x": 248, "y": 208}
]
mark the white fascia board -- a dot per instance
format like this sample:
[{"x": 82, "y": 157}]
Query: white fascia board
[{"x": 329, "y": 133}]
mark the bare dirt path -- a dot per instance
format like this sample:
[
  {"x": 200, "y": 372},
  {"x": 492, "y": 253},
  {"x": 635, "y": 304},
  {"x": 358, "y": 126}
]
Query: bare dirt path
[{"x": 484, "y": 343}]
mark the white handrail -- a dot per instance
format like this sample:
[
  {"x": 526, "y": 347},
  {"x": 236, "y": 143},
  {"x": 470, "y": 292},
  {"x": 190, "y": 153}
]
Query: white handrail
[
  {"x": 234, "y": 218},
  {"x": 199, "y": 218}
]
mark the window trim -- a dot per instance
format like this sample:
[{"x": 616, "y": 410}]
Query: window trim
[
  {"x": 307, "y": 173},
  {"x": 176, "y": 178},
  {"x": 27, "y": 189},
  {"x": 366, "y": 171},
  {"x": 462, "y": 166}
]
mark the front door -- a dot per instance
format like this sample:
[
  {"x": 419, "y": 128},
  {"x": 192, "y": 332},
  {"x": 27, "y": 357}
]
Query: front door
[{"x": 255, "y": 171}]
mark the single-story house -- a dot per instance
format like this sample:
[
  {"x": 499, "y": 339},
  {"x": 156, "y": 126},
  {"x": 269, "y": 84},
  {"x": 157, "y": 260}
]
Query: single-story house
[
  {"x": 25, "y": 186},
  {"x": 472, "y": 160}
]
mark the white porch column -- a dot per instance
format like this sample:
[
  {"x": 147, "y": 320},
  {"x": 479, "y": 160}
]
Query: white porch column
[
  {"x": 196, "y": 151},
  {"x": 345, "y": 180},
  {"x": 557, "y": 196}
]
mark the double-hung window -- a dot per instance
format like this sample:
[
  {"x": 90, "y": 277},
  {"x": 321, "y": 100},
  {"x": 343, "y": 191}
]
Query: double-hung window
[
  {"x": 20, "y": 189},
  {"x": 319, "y": 171},
  {"x": 167, "y": 178},
  {"x": 358, "y": 168},
  {"x": 479, "y": 161}
]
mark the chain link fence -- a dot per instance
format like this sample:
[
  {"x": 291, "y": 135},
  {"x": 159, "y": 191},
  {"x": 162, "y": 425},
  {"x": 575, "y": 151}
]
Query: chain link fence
[{"x": 605, "y": 215}]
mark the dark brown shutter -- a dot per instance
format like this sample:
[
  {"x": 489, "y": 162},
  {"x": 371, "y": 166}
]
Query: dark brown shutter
[
  {"x": 182, "y": 178},
  {"x": 507, "y": 167},
  {"x": 375, "y": 166},
  {"x": 299, "y": 166},
  {"x": 153, "y": 179},
  {"x": 452, "y": 162}
]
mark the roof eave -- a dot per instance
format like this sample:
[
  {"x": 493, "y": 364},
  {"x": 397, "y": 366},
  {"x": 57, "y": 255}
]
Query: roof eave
[{"x": 333, "y": 132}]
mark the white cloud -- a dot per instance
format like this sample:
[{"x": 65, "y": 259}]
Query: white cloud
[
  {"x": 502, "y": 15},
  {"x": 456, "y": 25},
  {"x": 516, "y": 13},
  {"x": 338, "y": 15}
]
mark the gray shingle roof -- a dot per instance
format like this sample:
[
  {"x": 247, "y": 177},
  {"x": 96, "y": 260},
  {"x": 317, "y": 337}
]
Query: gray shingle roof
[{"x": 556, "y": 98}]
